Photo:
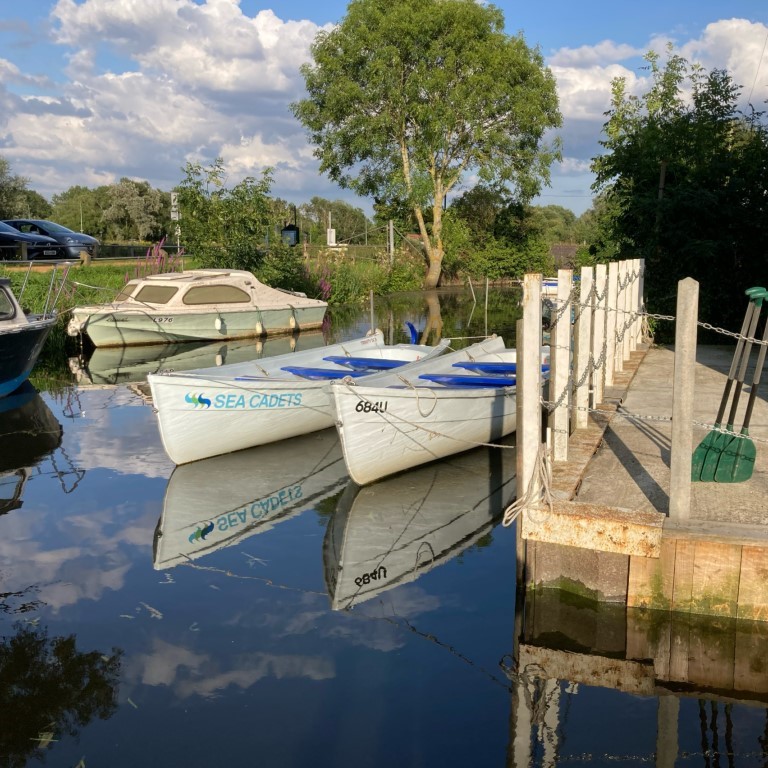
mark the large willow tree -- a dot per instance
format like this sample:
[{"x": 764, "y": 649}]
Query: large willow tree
[{"x": 407, "y": 96}]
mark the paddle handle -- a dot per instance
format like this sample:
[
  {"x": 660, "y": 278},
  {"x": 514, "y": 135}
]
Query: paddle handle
[
  {"x": 736, "y": 358},
  {"x": 756, "y": 380},
  {"x": 758, "y": 301}
]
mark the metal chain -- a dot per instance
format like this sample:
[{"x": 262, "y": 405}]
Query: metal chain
[{"x": 622, "y": 413}]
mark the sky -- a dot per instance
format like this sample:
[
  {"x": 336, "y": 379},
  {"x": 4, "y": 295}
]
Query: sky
[{"x": 92, "y": 91}]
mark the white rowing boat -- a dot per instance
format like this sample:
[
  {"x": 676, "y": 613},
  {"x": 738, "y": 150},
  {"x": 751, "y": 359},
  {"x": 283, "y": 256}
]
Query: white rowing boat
[
  {"x": 434, "y": 409},
  {"x": 211, "y": 411}
]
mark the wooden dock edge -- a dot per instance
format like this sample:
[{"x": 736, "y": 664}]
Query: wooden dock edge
[{"x": 594, "y": 526}]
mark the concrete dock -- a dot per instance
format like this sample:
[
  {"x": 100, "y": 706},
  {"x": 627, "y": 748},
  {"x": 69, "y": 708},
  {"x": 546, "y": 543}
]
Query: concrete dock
[{"x": 610, "y": 535}]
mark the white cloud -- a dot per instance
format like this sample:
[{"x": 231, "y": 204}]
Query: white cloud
[
  {"x": 195, "y": 674},
  {"x": 151, "y": 84},
  {"x": 605, "y": 52}
]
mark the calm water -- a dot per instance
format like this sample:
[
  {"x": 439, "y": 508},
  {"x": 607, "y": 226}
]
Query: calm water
[{"x": 315, "y": 623}]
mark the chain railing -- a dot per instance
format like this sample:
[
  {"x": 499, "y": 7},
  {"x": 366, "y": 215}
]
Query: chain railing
[{"x": 594, "y": 324}]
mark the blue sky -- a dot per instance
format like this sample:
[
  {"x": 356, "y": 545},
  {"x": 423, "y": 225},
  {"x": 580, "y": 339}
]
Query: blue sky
[{"x": 95, "y": 90}]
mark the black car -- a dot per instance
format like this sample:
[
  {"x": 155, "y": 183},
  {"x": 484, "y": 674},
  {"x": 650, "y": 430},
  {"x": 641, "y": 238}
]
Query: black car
[
  {"x": 73, "y": 242},
  {"x": 38, "y": 246}
]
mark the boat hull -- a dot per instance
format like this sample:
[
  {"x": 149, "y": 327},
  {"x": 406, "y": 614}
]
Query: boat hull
[
  {"x": 385, "y": 430},
  {"x": 203, "y": 417},
  {"x": 20, "y": 348},
  {"x": 109, "y": 328}
]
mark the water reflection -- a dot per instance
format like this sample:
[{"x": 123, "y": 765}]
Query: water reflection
[
  {"x": 28, "y": 433},
  {"x": 220, "y": 501},
  {"x": 393, "y": 531},
  {"x": 122, "y": 365},
  {"x": 695, "y": 667},
  {"x": 48, "y": 689}
]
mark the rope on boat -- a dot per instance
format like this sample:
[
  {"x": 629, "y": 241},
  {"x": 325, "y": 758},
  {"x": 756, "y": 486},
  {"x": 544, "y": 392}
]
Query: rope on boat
[{"x": 538, "y": 492}]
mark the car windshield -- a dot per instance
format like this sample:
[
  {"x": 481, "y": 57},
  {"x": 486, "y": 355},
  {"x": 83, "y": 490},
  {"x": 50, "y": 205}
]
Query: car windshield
[{"x": 56, "y": 228}]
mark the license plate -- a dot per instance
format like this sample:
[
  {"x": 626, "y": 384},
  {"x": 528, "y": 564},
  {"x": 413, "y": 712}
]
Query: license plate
[{"x": 49, "y": 253}]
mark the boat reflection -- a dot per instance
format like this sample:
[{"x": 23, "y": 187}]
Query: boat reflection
[
  {"x": 217, "y": 502},
  {"x": 29, "y": 433},
  {"x": 393, "y": 531},
  {"x": 108, "y": 366}
]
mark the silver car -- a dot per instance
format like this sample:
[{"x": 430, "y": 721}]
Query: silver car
[{"x": 73, "y": 242}]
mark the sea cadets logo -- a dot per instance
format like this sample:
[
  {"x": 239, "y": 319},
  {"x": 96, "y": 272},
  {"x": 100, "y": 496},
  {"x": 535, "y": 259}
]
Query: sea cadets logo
[
  {"x": 233, "y": 401},
  {"x": 200, "y": 533},
  {"x": 199, "y": 401}
]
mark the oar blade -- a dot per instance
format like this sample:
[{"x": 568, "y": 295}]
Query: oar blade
[
  {"x": 712, "y": 458},
  {"x": 700, "y": 455},
  {"x": 737, "y": 461}
]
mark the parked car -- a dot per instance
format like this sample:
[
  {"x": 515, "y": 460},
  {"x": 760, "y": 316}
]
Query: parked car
[
  {"x": 73, "y": 242},
  {"x": 38, "y": 246}
]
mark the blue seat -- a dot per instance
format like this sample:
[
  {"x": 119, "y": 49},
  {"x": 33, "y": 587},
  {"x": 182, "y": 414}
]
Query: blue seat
[
  {"x": 495, "y": 367},
  {"x": 320, "y": 373},
  {"x": 450, "y": 380},
  {"x": 365, "y": 363}
]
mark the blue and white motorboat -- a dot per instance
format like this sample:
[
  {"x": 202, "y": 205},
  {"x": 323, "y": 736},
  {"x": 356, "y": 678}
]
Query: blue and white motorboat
[{"x": 21, "y": 339}]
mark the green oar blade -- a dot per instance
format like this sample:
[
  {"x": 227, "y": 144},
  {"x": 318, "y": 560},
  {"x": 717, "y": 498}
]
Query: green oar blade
[
  {"x": 700, "y": 455},
  {"x": 737, "y": 460},
  {"x": 712, "y": 459}
]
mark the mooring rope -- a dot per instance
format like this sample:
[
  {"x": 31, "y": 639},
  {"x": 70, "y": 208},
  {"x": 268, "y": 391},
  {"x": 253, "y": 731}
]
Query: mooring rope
[{"x": 538, "y": 492}]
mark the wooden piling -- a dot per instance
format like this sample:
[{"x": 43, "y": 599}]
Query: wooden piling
[
  {"x": 582, "y": 345},
  {"x": 598, "y": 333},
  {"x": 611, "y": 322},
  {"x": 683, "y": 389},
  {"x": 560, "y": 372},
  {"x": 529, "y": 384}
]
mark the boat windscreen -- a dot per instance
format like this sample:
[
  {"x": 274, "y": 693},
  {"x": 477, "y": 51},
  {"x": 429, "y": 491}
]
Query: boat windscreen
[
  {"x": 156, "y": 294},
  {"x": 7, "y": 308},
  {"x": 216, "y": 294},
  {"x": 126, "y": 290}
]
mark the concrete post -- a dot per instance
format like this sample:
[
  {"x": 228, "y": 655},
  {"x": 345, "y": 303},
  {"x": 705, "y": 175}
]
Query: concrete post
[
  {"x": 610, "y": 322},
  {"x": 559, "y": 375},
  {"x": 598, "y": 332},
  {"x": 634, "y": 270},
  {"x": 640, "y": 298},
  {"x": 529, "y": 383},
  {"x": 582, "y": 344},
  {"x": 627, "y": 320},
  {"x": 24, "y": 253},
  {"x": 683, "y": 392}
]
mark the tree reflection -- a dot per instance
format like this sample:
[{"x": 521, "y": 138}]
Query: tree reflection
[{"x": 49, "y": 689}]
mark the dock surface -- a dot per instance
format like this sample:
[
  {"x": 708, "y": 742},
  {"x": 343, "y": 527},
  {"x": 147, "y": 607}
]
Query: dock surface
[{"x": 631, "y": 468}]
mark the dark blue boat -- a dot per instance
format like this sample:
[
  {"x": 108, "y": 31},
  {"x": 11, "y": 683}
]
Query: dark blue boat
[{"x": 21, "y": 340}]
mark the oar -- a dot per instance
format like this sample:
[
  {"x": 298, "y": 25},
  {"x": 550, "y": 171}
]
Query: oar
[
  {"x": 712, "y": 459},
  {"x": 738, "y": 458},
  {"x": 703, "y": 447}
]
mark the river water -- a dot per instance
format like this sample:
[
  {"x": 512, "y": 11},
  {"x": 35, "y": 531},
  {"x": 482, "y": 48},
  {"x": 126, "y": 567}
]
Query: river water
[{"x": 316, "y": 623}]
